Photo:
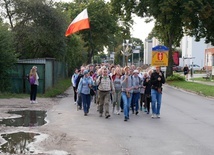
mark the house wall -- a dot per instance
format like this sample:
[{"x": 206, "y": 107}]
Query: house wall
[
  {"x": 147, "y": 59},
  {"x": 193, "y": 51},
  {"x": 209, "y": 58}
]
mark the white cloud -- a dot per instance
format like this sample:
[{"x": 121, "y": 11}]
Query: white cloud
[{"x": 141, "y": 29}]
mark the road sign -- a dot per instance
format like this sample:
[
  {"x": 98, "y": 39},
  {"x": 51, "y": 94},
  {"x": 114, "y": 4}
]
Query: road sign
[{"x": 160, "y": 56}]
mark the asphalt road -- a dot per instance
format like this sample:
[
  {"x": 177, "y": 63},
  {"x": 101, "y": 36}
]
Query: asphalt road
[{"x": 186, "y": 127}]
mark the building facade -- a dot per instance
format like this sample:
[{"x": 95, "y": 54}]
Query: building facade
[
  {"x": 192, "y": 51},
  {"x": 147, "y": 57},
  {"x": 209, "y": 57}
]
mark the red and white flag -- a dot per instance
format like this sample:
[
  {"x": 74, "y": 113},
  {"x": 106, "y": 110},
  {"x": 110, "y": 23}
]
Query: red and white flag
[{"x": 79, "y": 23}]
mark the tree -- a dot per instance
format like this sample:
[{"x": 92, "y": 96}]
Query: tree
[
  {"x": 40, "y": 31},
  {"x": 168, "y": 23},
  {"x": 7, "y": 56},
  {"x": 198, "y": 19},
  {"x": 103, "y": 23},
  {"x": 76, "y": 54}
]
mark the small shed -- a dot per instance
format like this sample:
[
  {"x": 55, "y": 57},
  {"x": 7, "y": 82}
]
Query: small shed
[
  {"x": 49, "y": 71},
  {"x": 209, "y": 58}
]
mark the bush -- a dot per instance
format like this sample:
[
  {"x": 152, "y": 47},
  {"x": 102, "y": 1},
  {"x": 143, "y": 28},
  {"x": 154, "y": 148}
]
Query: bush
[{"x": 175, "y": 77}]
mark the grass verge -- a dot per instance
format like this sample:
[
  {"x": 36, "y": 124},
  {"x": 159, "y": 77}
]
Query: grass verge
[
  {"x": 58, "y": 89},
  {"x": 194, "y": 87}
]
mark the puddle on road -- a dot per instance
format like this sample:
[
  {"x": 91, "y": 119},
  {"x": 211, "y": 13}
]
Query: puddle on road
[
  {"x": 29, "y": 118},
  {"x": 18, "y": 142}
]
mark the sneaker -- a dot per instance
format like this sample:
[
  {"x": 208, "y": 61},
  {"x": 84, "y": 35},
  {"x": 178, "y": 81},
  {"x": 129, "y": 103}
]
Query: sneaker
[
  {"x": 158, "y": 116},
  {"x": 107, "y": 116},
  {"x": 118, "y": 113},
  {"x": 31, "y": 102},
  {"x": 85, "y": 114},
  {"x": 136, "y": 112},
  {"x": 125, "y": 119},
  {"x": 145, "y": 110},
  {"x": 75, "y": 103},
  {"x": 141, "y": 109},
  {"x": 153, "y": 116},
  {"x": 79, "y": 108}
]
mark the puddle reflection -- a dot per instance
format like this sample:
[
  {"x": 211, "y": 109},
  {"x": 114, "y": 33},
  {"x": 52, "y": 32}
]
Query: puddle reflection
[
  {"x": 29, "y": 118},
  {"x": 17, "y": 142}
]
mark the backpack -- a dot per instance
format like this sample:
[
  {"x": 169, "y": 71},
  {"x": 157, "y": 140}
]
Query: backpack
[
  {"x": 101, "y": 79},
  {"x": 32, "y": 79}
]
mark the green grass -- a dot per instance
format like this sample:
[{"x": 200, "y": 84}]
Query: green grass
[
  {"x": 194, "y": 87},
  {"x": 59, "y": 88}
]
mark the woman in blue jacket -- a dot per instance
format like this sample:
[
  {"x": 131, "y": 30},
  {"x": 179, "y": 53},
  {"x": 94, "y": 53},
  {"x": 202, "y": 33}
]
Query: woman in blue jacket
[{"x": 84, "y": 87}]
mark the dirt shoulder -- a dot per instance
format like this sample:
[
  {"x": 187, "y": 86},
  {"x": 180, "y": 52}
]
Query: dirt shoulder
[{"x": 52, "y": 141}]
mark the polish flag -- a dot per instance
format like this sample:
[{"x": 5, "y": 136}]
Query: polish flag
[{"x": 81, "y": 22}]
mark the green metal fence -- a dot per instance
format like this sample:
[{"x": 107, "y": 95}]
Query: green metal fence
[{"x": 49, "y": 71}]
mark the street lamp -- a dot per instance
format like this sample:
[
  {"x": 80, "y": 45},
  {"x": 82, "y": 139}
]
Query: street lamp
[{"x": 127, "y": 48}]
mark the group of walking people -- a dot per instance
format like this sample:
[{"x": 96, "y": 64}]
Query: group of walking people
[{"x": 126, "y": 88}]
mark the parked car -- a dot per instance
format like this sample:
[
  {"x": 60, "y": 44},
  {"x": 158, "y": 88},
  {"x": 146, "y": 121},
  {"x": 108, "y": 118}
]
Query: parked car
[
  {"x": 195, "y": 67},
  {"x": 177, "y": 68}
]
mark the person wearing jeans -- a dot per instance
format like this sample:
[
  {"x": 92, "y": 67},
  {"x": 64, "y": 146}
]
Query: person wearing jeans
[
  {"x": 136, "y": 92},
  {"x": 126, "y": 104},
  {"x": 157, "y": 79},
  {"x": 127, "y": 90},
  {"x": 156, "y": 103},
  {"x": 83, "y": 89}
]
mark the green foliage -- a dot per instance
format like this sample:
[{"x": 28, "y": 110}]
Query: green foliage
[
  {"x": 40, "y": 29},
  {"x": 7, "y": 57},
  {"x": 104, "y": 22},
  {"x": 175, "y": 77},
  {"x": 199, "y": 22},
  {"x": 58, "y": 89},
  {"x": 76, "y": 53}
]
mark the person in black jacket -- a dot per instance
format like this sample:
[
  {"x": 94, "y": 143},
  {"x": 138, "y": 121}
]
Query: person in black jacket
[
  {"x": 79, "y": 99},
  {"x": 147, "y": 93},
  {"x": 157, "y": 79},
  {"x": 186, "y": 72}
]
